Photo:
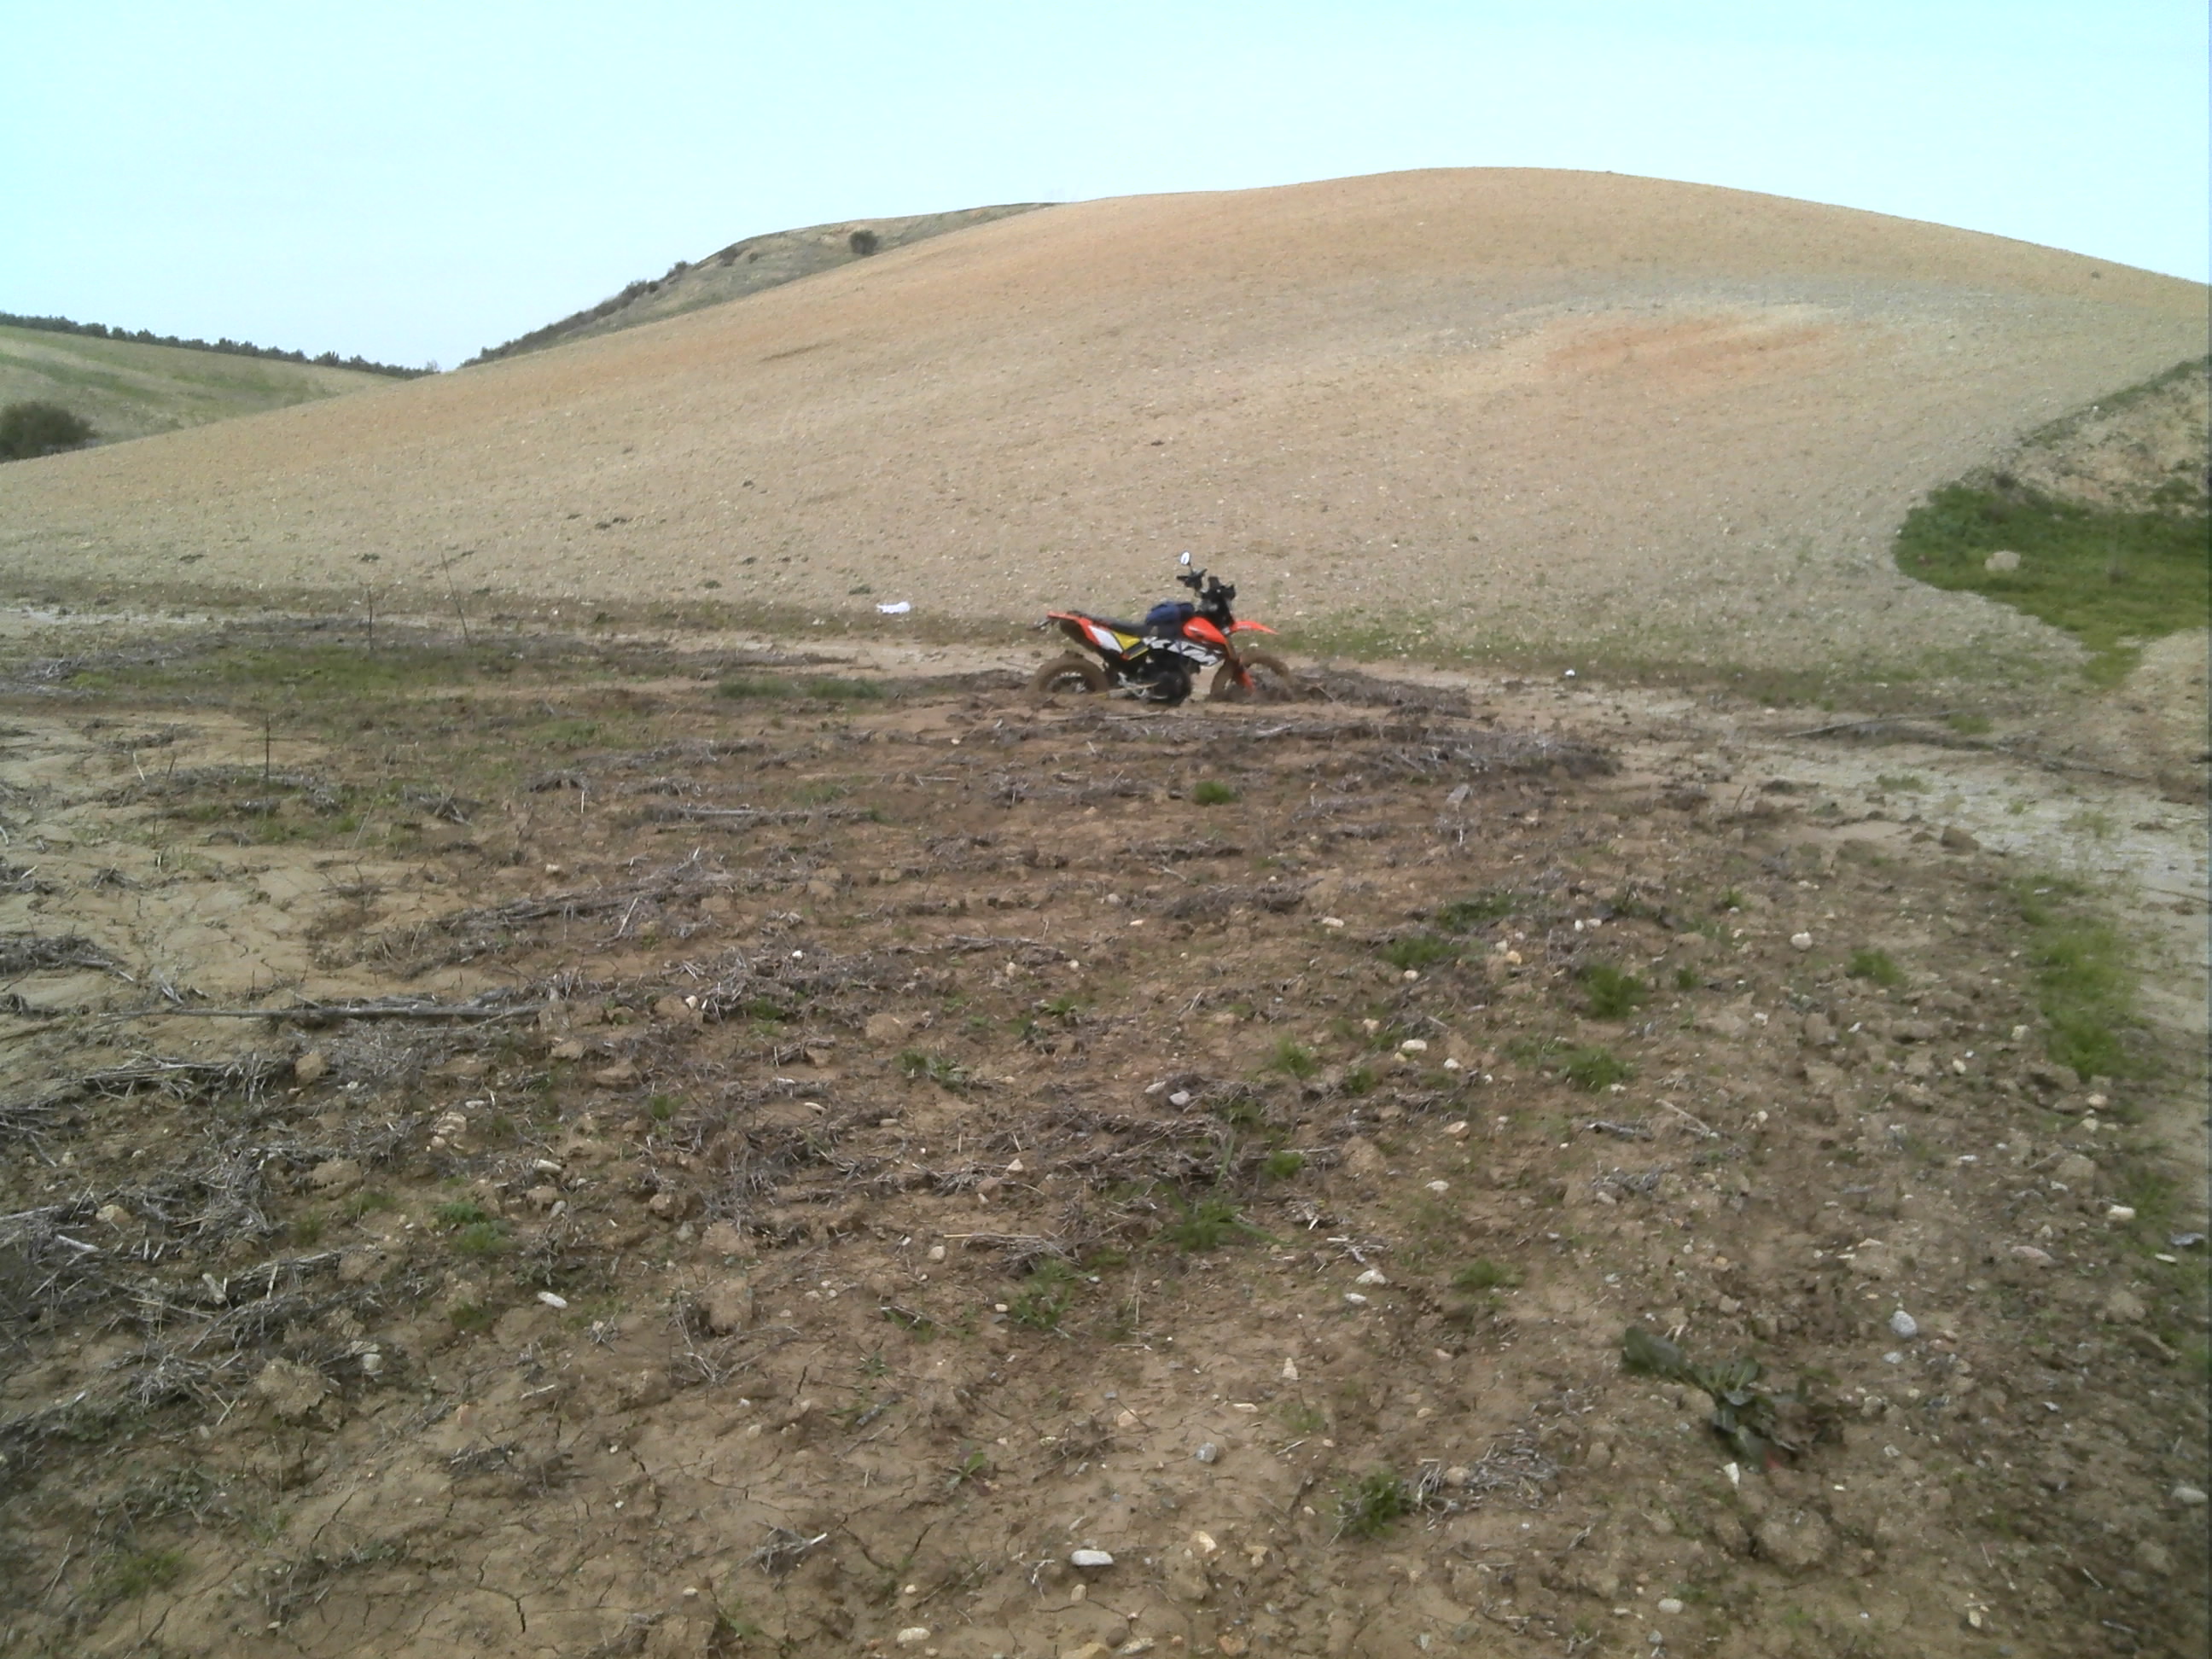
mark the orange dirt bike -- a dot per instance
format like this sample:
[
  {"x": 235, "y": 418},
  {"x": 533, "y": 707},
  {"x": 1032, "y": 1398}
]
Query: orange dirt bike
[{"x": 1158, "y": 660}]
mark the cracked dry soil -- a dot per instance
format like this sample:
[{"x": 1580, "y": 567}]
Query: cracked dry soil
[{"x": 790, "y": 1174}]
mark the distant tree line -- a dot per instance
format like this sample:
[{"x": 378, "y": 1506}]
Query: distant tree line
[{"x": 232, "y": 348}]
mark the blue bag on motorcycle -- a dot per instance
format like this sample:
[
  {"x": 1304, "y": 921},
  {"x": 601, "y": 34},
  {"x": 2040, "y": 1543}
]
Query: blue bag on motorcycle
[{"x": 1166, "y": 619}]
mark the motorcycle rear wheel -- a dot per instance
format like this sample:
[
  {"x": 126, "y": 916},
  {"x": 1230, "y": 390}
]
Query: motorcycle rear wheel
[
  {"x": 1067, "y": 673},
  {"x": 1271, "y": 681}
]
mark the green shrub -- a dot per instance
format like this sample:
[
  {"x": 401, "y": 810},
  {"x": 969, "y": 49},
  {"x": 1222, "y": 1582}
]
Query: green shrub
[
  {"x": 1212, "y": 792},
  {"x": 831, "y": 690},
  {"x": 1282, "y": 1165},
  {"x": 1613, "y": 995},
  {"x": 1045, "y": 1296},
  {"x": 29, "y": 430},
  {"x": 1208, "y": 1226},
  {"x": 1370, "y": 1505},
  {"x": 753, "y": 685},
  {"x": 1293, "y": 1059},
  {"x": 461, "y": 1212}
]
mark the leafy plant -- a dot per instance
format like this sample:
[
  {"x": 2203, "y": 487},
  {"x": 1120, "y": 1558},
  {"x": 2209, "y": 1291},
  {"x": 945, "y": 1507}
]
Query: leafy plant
[
  {"x": 1212, "y": 792},
  {"x": 481, "y": 1238},
  {"x": 1685, "y": 979},
  {"x": 1284, "y": 1166},
  {"x": 1745, "y": 1415},
  {"x": 461, "y": 1212},
  {"x": 1902, "y": 783},
  {"x": 1293, "y": 1059},
  {"x": 915, "y": 1066}
]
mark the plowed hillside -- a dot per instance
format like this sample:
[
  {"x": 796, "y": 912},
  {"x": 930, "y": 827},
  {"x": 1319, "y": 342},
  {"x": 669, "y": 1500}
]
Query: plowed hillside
[{"x": 1525, "y": 407}]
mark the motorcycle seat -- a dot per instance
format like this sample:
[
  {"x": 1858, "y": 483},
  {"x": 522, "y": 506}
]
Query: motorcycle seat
[{"x": 1136, "y": 628}]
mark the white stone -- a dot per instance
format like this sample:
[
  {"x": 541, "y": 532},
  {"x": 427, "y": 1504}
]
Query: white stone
[
  {"x": 1903, "y": 1324},
  {"x": 552, "y": 1301},
  {"x": 2119, "y": 1213},
  {"x": 1372, "y": 1276},
  {"x": 913, "y": 1636},
  {"x": 1332, "y": 921},
  {"x": 1091, "y": 1559},
  {"x": 1355, "y": 1298},
  {"x": 1413, "y": 1045},
  {"x": 2189, "y": 1497},
  {"x": 1440, "y": 1187},
  {"x": 1801, "y": 941},
  {"x": 1669, "y": 1604}
]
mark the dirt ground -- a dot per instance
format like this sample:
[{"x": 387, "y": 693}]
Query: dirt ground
[{"x": 577, "y": 1148}]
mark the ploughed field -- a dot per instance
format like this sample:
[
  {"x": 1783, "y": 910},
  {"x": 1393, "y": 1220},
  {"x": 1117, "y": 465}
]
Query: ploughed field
[{"x": 590, "y": 1151}]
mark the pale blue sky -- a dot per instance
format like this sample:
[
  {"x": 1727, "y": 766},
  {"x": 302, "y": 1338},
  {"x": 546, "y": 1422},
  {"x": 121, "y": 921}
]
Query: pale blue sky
[{"x": 415, "y": 181}]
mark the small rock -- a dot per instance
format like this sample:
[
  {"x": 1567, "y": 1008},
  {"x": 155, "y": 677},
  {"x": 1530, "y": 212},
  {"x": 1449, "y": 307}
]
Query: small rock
[
  {"x": 1955, "y": 840},
  {"x": 1801, "y": 941},
  {"x": 553, "y": 1301},
  {"x": 723, "y": 1238},
  {"x": 1903, "y": 1324},
  {"x": 615, "y": 1075},
  {"x": 1413, "y": 1045},
  {"x": 1089, "y": 1558},
  {"x": 1180, "y": 1097},
  {"x": 1457, "y": 1130},
  {"x": 542, "y": 1198},
  {"x": 569, "y": 1049},
  {"x": 1209, "y": 1453},
  {"x": 675, "y": 1009},
  {"x": 1667, "y": 1604},
  {"x": 1355, "y": 1298},
  {"x": 1440, "y": 1187},
  {"x": 2189, "y": 1497},
  {"x": 2119, "y": 1213},
  {"x": 884, "y": 1028},
  {"x": 727, "y": 1308},
  {"x": 334, "y": 1177},
  {"x": 2002, "y": 560},
  {"x": 2031, "y": 1255},
  {"x": 1372, "y": 1276},
  {"x": 112, "y": 1215},
  {"x": 1289, "y": 1370},
  {"x": 2074, "y": 1170},
  {"x": 2122, "y": 1307},
  {"x": 311, "y": 1067},
  {"x": 913, "y": 1636},
  {"x": 1795, "y": 1541},
  {"x": 1458, "y": 1475},
  {"x": 1332, "y": 921},
  {"x": 292, "y": 1389}
]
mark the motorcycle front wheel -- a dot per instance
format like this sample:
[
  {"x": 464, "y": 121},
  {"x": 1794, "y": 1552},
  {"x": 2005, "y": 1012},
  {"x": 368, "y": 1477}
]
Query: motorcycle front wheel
[
  {"x": 1271, "y": 681},
  {"x": 1067, "y": 673}
]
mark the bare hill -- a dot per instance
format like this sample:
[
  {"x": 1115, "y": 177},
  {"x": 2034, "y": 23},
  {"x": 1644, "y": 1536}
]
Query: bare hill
[
  {"x": 747, "y": 267},
  {"x": 1495, "y": 406},
  {"x": 129, "y": 389}
]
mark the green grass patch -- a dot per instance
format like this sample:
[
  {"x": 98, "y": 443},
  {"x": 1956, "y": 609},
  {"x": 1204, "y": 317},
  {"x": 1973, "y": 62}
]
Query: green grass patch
[
  {"x": 1612, "y": 995},
  {"x": 2114, "y": 580},
  {"x": 1465, "y": 915},
  {"x": 829, "y": 689},
  {"x": 918, "y": 1067},
  {"x": 748, "y": 688},
  {"x": 2085, "y": 982},
  {"x": 461, "y": 1212},
  {"x": 1876, "y": 966},
  {"x": 1045, "y": 1296},
  {"x": 1212, "y": 792},
  {"x": 1419, "y": 950},
  {"x": 1593, "y": 1070},
  {"x": 130, "y": 1574},
  {"x": 1282, "y": 1165},
  {"x": 1901, "y": 783},
  {"x": 1208, "y": 1226},
  {"x": 1293, "y": 1059},
  {"x": 1484, "y": 1274}
]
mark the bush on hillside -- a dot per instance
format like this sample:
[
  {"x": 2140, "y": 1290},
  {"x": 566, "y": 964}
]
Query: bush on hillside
[{"x": 35, "y": 429}]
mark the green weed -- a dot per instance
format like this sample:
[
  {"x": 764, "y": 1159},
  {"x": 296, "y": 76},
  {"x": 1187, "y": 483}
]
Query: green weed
[
  {"x": 461, "y": 1212},
  {"x": 128, "y": 1574},
  {"x": 1464, "y": 915},
  {"x": 1208, "y": 1226},
  {"x": 1212, "y": 792},
  {"x": 1612, "y": 993},
  {"x": 1902, "y": 783},
  {"x": 1685, "y": 979},
  {"x": 471, "y": 1316},
  {"x": 1874, "y": 965},
  {"x": 480, "y": 1239},
  {"x": 1282, "y": 1165},
  {"x": 1368, "y": 1507},
  {"x": 748, "y": 687},
  {"x": 2084, "y": 980},
  {"x": 1593, "y": 1070},
  {"x": 917, "y": 1066},
  {"x": 1484, "y": 1274},
  {"x": 1969, "y": 726},
  {"x": 1044, "y": 1295},
  {"x": 1293, "y": 1059},
  {"x": 1419, "y": 950},
  {"x": 829, "y": 688}
]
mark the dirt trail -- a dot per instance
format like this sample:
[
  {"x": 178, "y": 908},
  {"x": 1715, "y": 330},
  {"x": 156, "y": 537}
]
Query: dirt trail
[{"x": 884, "y": 1145}]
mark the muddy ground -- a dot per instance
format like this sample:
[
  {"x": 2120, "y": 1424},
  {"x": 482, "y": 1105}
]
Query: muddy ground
[{"x": 512, "y": 1148}]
